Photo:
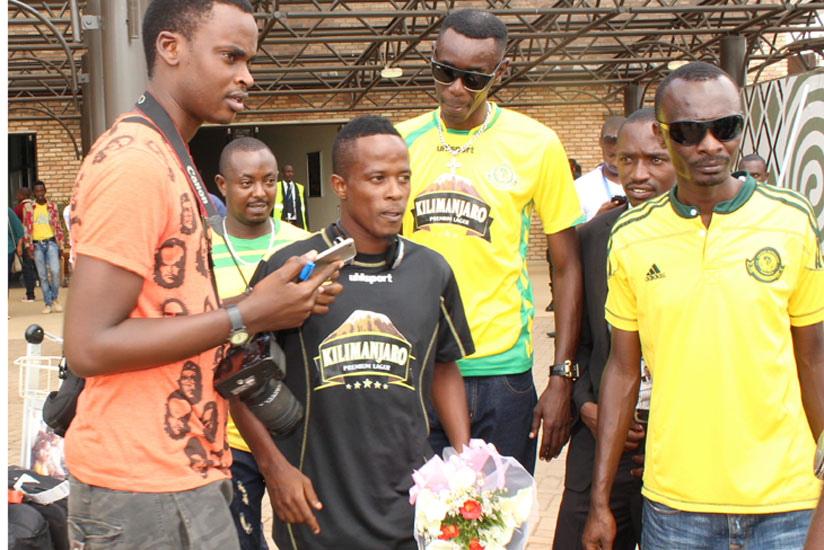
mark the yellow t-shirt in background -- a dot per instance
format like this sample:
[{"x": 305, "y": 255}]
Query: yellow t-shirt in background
[{"x": 41, "y": 228}]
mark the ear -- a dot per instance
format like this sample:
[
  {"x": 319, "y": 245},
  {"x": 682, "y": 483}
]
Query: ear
[
  {"x": 169, "y": 46},
  {"x": 338, "y": 186},
  {"x": 221, "y": 184}
]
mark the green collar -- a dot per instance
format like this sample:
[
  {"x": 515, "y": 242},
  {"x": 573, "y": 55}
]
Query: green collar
[{"x": 726, "y": 207}]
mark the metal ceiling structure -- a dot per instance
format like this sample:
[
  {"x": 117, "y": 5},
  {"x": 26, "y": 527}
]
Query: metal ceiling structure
[{"x": 326, "y": 56}]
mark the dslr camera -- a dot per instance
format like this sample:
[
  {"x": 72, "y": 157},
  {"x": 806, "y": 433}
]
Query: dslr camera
[{"x": 254, "y": 373}]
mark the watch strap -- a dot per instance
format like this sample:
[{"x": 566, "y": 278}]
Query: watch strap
[
  {"x": 567, "y": 369},
  {"x": 235, "y": 317}
]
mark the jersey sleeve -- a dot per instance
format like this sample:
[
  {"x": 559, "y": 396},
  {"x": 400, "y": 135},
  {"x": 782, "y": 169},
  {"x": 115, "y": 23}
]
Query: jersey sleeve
[
  {"x": 806, "y": 304},
  {"x": 621, "y": 307},
  {"x": 454, "y": 339},
  {"x": 110, "y": 190},
  {"x": 556, "y": 201}
]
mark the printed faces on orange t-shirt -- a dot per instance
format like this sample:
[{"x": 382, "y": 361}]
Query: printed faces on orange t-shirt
[{"x": 159, "y": 429}]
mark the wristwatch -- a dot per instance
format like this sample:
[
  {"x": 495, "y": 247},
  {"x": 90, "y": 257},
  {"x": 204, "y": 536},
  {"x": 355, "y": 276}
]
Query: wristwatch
[
  {"x": 239, "y": 335},
  {"x": 567, "y": 369},
  {"x": 818, "y": 463}
]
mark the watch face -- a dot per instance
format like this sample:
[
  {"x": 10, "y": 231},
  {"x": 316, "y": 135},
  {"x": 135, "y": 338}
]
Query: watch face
[
  {"x": 238, "y": 338},
  {"x": 818, "y": 464}
]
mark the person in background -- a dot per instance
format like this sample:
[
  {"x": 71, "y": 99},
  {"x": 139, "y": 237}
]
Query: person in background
[
  {"x": 15, "y": 239},
  {"x": 599, "y": 189},
  {"x": 755, "y": 166},
  {"x": 23, "y": 197},
  {"x": 646, "y": 172},
  {"x": 290, "y": 205},
  {"x": 42, "y": 241},
  {"x": 247, "y": 179}
]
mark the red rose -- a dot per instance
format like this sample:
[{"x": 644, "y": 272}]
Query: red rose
[
  {"x": 448, "y": 532},
  {"x": 471, "y": 509},
  {"x": 475, "y": 545}
]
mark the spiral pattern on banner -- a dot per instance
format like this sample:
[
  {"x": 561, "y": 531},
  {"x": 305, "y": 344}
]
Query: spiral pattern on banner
[{"x": 806, "y": 160}]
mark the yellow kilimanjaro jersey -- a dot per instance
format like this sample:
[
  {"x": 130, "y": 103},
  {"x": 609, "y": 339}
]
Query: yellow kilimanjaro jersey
[
  {"x": 231, "y": 283},
  {"x": 713, "y": 308},
  {"x": 475, "y": 209}
]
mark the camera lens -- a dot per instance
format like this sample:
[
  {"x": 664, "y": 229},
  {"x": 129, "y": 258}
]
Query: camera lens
[{"x": 275, "y": 405}]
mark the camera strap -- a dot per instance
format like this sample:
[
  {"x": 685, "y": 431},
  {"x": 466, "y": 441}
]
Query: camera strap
[{"x": 157, "y": 118}]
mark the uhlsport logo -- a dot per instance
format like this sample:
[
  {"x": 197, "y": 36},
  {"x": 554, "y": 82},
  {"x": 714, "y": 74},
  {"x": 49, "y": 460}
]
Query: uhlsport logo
[
  {"x": 765, "y": 266},
  {"x": 654, "y": 273},
  {"x": 452, "y": 200},
  {"x": 366, "y": 352}
]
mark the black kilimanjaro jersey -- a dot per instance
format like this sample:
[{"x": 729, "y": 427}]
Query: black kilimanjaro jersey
[{"x": 363, "y": 371}]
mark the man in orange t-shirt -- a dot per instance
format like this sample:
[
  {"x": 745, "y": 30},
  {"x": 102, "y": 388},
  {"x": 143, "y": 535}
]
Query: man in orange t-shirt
[{"x": 147, "y": 449}]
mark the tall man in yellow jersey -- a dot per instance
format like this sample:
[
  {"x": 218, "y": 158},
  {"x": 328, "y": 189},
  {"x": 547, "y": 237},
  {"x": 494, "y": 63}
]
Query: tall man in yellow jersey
[
  {"x": 721, "y": 282},
  {"x": 247, "y": 179},
  {"x": 479, "y": 172}
]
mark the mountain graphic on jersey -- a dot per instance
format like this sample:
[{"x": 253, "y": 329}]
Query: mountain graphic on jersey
[
  {"x": 366, "y": 351},
  {"x": 452, "y": 200}
]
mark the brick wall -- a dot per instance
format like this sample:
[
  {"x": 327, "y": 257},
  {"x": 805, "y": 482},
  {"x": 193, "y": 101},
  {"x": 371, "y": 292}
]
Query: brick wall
[{"x": 57, "y": 164}]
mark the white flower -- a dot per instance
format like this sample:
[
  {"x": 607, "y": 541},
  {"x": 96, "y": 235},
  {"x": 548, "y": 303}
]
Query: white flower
[
  {"x": 524, "y": 501},
  {"x": 462, "y": 479},
  {"x": 440, "y": 545},
  {"x": 429, "y": 512}
]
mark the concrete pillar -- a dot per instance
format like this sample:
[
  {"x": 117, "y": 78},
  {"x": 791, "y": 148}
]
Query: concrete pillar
[
  {"x": 124, "y": 64},
  {"x": 94, "y": 102},
  {"x": 633, "y": 98},
  {"x": 734, "y": 58}
]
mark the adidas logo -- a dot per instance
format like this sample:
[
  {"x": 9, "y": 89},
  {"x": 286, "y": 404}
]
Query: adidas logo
[{"x": 654, "y": 273}]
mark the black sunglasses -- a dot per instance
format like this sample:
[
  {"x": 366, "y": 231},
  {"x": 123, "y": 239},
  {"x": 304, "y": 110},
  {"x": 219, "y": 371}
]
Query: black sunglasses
[
  {"x": 444, "y": 74},
  {"x": 691, "y": 132}
]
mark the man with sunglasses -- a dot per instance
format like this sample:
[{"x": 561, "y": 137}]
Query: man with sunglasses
[
  {"x": 599, "y": 189},
  {"x": 721, "y": 281},
  {"x": 480, "y": 171}
]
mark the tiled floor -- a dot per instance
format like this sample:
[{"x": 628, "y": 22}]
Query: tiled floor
[{"x": 549, "y": 476}]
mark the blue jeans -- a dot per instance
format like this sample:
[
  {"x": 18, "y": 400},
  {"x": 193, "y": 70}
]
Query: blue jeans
[
  {"x": 249, "y": 488},
  {"x": 665, "y": 528},
  {"x": 500, "y": 412},
  {"x": 48, "y": 269}
]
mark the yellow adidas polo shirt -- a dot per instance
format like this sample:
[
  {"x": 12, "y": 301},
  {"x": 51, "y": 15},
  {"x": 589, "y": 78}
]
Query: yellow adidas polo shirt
[
  {"x": 475, "y": 209},
  {"x": 713, "y": 308}
]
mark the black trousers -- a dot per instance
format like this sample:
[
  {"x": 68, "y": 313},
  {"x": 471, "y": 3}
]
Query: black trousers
[
  {"x": 625, "y": 502},
  {"x": 29, "y": 274}
]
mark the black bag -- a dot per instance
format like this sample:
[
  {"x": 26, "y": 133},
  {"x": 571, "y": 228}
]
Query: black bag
[
  {"x": 61, "y": 405},
  {"x": 28, "y": 529},
  {"x": 41, "y": 520}
]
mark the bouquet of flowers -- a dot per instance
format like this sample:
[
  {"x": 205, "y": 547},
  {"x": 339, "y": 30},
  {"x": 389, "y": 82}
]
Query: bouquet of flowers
[{"x": 472, "y": 500}]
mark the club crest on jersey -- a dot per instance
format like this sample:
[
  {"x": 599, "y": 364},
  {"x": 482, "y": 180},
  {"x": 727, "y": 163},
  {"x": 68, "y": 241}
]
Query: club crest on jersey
[
  {"x": 765, "y": 266},
  {"x": 366, "y": 352},
  {"x": 452, "y": 200},
  {"x": 502, "y": 176}
]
